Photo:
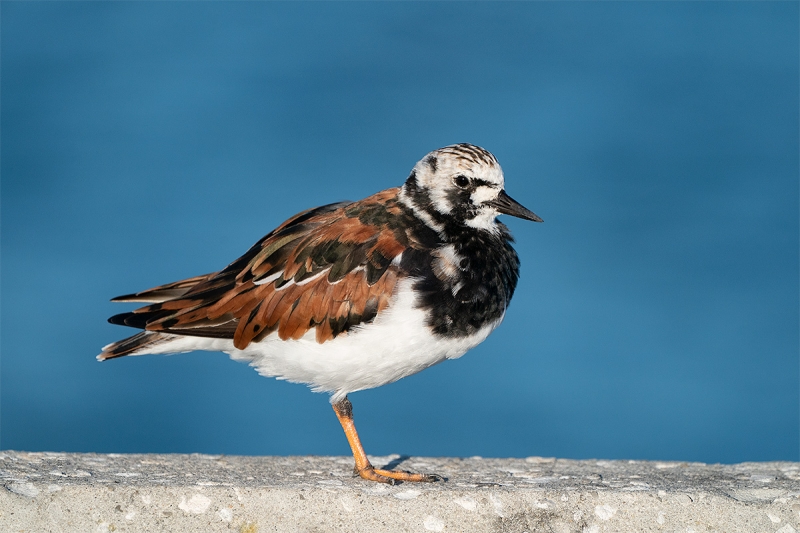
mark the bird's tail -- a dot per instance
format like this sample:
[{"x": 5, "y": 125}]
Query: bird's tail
[{"x": 140, "y": 343}]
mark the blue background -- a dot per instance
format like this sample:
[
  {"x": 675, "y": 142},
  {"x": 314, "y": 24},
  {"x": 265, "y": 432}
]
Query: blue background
[{"x": 657, "y": 313}]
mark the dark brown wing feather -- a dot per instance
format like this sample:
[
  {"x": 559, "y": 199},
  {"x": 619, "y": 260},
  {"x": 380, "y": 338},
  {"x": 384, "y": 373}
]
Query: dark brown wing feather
[
  {"x": 328, "y": 268},
  {"x": 163, "y": 293}
]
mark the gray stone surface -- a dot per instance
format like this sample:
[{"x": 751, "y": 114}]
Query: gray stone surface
[{"x": 65, "y": 492}]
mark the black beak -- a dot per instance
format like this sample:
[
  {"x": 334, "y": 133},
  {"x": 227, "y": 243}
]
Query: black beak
[{"x": 508, "y": 206}]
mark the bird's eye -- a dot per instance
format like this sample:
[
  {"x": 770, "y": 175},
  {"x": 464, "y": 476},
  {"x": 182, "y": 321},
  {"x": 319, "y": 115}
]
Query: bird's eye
[{"x": 461, "y": 181}]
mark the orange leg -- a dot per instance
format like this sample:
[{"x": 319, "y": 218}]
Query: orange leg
[{"x": 344, "y": 412}]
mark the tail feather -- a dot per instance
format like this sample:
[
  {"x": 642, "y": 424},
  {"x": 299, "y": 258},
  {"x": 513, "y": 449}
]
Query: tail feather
[{"x": 139, "y": 343}]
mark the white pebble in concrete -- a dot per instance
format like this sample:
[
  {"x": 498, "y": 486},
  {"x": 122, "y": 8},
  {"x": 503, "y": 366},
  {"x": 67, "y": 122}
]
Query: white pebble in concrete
[
  {"x": 197, "y": 504},
  {"x": 225, "y": 514},
  {"x": 433, "y": 523},
  {"x": 24, "y": 489},
  {"x": 348, "y": 504},
  {"x": 497, "y": 504},
  {"x": 467, "y": 503},
  {"x": 604, "y": 512}
]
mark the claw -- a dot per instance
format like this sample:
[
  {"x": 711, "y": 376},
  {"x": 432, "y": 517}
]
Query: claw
[{"x": 394, "y": 477}]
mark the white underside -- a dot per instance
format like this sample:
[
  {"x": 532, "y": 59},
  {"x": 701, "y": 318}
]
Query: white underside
[{"x": 396, "y": 344}]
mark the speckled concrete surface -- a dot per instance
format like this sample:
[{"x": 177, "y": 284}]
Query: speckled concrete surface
[{"x": 60, "y": 492}]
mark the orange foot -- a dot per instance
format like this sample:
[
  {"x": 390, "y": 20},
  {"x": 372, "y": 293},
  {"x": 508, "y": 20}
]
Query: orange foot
[{"x": 391, "y": 477}]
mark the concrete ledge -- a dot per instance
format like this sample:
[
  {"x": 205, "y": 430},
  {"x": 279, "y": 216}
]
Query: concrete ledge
[{"x": 65, "y": 492}]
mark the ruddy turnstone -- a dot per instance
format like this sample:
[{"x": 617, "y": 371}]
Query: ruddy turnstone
[{"x": 353, "y": 295}]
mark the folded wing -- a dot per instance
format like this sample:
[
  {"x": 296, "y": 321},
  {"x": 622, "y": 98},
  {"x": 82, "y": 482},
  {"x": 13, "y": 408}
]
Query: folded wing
[{"x": 329, "y": 268}]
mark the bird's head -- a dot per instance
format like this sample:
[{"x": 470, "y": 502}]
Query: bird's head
[{"x": 461, "y": 183}]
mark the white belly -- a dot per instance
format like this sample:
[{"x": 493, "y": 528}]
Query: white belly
[{"x": 396, "y": 344}]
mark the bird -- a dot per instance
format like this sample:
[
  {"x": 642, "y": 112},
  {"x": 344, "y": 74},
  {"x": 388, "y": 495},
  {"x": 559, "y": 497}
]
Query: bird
[{"x": 353, "y": 295}]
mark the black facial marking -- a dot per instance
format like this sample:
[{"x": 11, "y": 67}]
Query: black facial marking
[
  {"x": 432, "y": 162},
  {"x": 421, "y": 199},
  {"x": 463, "y": 208},
  {"x": 411, "y": 180}
]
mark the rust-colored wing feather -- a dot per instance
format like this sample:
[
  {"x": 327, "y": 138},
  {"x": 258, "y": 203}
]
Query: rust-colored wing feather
[{"x": 329, "y": 268}]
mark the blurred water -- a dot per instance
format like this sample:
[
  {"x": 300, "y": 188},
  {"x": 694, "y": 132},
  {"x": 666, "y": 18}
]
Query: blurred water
[{"x": 657, "y": 314}]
